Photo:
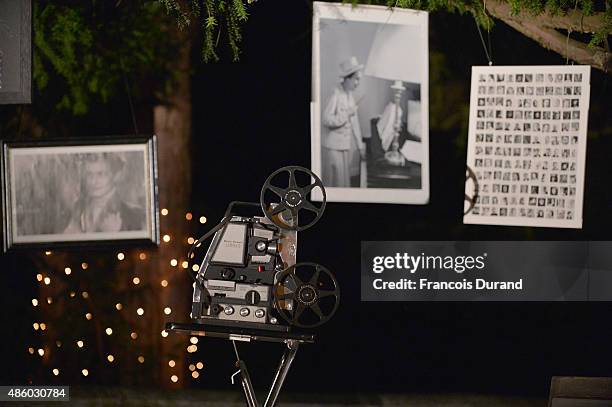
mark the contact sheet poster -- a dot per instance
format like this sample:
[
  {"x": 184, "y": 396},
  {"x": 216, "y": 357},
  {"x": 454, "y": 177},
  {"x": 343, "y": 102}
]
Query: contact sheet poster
[{"x": 527, "y": 145}]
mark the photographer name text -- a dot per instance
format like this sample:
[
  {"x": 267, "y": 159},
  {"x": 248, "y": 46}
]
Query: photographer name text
[{"x": 412, "y": 264}]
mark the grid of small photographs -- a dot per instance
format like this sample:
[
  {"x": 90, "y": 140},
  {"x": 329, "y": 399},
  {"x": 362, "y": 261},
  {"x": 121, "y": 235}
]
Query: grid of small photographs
[{"x": 527, "y": 145}]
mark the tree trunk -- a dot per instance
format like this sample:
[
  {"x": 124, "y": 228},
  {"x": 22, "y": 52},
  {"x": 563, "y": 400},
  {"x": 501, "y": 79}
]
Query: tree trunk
[{"x": 172, "y": 125}]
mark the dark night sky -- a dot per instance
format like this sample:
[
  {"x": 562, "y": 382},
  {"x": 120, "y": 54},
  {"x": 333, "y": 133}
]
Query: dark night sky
[{"x": 252, "y": 117}]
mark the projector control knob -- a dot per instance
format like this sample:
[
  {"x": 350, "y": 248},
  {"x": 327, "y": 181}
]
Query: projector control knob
[
  {"x": 228, "y": 273},
  {"x": 244, "y": 312},
  {"x": 252, "y": 297}
]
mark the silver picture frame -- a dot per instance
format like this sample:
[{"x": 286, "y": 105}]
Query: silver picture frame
[{"x": 79, "y": 192}]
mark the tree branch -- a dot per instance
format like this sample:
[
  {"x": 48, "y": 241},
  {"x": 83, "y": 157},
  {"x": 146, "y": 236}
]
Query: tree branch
[
  {"x": 574, "y": 21},
  {"x": 551, "y": 39}
]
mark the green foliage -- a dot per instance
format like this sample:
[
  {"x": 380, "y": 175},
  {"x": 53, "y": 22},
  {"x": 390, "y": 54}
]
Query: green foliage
[
  {"x": 600, "y": 37},
  {"x": 173, "y": 9},
  {"x": 532, "y": 7},
  {"x": 215, "y": 18},
  {"x": 234, "y": 14},
  {"x": 93, "y": 46},
  {"x": 561, "y": 7}
]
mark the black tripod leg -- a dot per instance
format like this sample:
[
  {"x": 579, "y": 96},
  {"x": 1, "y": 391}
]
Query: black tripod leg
[
  {"x": 247, "y": 387},
  {"x": 281, "y": 373},
  {"x": 245, "y": 380}
]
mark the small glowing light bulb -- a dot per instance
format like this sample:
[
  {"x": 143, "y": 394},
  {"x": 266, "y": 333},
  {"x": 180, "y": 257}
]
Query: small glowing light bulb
[
  {"x": 110, "y": 358},
  {"x": 167, "y": 310},
  {"x": 85, "y": 372},
  {"x": 55, "y": 372},
  {"x": 171, "y": 363},
  {"x": 120, "y": 256},
  {"x": 140, "y": 311},
  {"x": 164, "y": 283},
  {"x": 174, "y": 378},
  {"x": 67, "y": 270},
  {"x": 109, "y": 331},
  {"x": 136, "y": 280},
  {"x": 166, "y": 238},
  {"x": 164, "y": 212}
]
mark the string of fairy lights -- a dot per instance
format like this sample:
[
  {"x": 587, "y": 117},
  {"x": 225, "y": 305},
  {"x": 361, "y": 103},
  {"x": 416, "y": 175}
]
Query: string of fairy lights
[{"x": 44, "y": 351}]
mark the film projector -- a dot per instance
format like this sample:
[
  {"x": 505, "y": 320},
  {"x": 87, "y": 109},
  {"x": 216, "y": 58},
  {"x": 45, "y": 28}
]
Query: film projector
[{"x": 249, "y": 287}]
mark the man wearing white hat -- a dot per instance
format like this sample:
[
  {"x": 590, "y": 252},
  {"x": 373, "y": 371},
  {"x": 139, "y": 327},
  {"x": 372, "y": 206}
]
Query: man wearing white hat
[{"x": 343, "y": 149}]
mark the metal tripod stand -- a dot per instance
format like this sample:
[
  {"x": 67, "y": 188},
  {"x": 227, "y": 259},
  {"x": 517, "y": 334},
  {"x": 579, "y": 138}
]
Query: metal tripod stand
[
  {"x": 279, "y": 377},
  {"x": 292, "y": 342}
]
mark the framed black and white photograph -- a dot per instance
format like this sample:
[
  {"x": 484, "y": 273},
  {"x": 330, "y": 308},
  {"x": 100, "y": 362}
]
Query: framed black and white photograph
[
  {"x": 15, "y": 51},
  {"x": 370, "y": 130},
  {"x": 79, "y": 192}
]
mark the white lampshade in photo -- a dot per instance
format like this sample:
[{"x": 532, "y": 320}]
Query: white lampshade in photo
[{"x": 396, "y": 53}]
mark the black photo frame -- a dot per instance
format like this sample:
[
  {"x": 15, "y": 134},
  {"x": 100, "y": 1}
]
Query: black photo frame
[
  {"x": 15, "y": 51},
  {"x": 79, "y": 193}
]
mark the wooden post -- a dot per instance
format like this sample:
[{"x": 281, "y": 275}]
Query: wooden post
[{"x": 172, "y": 125}]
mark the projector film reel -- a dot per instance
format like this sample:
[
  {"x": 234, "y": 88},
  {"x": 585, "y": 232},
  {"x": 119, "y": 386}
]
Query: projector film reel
[
  {"x": 290, "y": 207},
  {"x": 306, "y": 295},
  {"x": 471, "y": 184}
]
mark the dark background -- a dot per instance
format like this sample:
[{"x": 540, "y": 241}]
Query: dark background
[{"x": 252, "y": 117}]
